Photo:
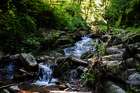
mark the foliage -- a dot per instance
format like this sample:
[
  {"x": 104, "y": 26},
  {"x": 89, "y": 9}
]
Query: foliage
[
  {"x": 93, "y": 78},
  {"x": 16, "y": 29},
  {"x": 133, "y": 29},
  {"x": 31, "y": 42},
  {"x": 28, "y": 23},
  {"x": 69, "y": 17},
  {"x": 9, "y": 32},
  {"x": 101, "y": 48},
  {"x": 123, "y": 12},
  {"x": 30, "y": 7},
  {"x": 88, "y": 77},
  {"x": 126, "y": 34},
  {"x": 138, "y": 67},
  {"x": 102, "y": 27}
]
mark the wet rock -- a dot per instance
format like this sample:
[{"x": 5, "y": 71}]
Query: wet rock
[
  {"x": 56, "y": 37},
  {"x": 123, "y": 75},
  {"x": 134, "y": 82},
  {"x": 87, "y": 55},
  {"x": 28, "y": 59},
  {"x": 114, "y": 50},
  {"x": 131, "y": 63},
  {"x": 113, "y": 66},
  {"x": 29, "y": 88},
  {"x": 64, "y": 40},
  {"x": 112, "y": 63},
  {"x": 28, "y": 62},
  {"x": 55, "y": 54},
  {"x": 137, "y": 56},
  {"x": 14, "y": 88},
  {"x": 62, "y": 86},
  {"x": 110, "y": 87},
  {"x": 5, "y": 91},
  {"x": 114, "y": 41},
  {"x": 134, "y": 79},
  {"x": 75, "y": 74}
]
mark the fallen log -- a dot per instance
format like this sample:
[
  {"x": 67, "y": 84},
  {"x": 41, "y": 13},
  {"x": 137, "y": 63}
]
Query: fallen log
[
  {"x": 79, "y": 61},
  {"x": 73, "y": 59},
  {"x": 8, "y": 85},
  {"x": 28, "y": 73}
]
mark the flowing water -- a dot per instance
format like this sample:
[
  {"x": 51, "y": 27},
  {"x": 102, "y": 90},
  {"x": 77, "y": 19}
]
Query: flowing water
[
  {"x": 10, "y": 71},
  {"x": 45, "y": 77},
  {"x": 7, "y": 72},
  {"x": 45, "y": 72},
  {"x": 80, "y": 47}
]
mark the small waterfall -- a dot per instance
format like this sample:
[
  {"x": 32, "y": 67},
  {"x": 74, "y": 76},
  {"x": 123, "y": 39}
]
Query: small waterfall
[
  {"x": 10, "y": 68},
  {"x": 7, "y": 71},
  {"x": 45, "y": 77},
  {"x": 81, "y": 47}
]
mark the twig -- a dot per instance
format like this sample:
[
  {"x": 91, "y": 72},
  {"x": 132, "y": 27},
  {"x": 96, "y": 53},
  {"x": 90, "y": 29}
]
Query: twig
[
  {"x": 5, "y": 86},
  {"x": 22, "y": 70}
]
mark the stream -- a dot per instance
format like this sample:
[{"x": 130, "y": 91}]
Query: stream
[
  {"x": 45, "y": 72},
  {"x": 86, "y": 44},
  {"x": 65, "y": 71}
]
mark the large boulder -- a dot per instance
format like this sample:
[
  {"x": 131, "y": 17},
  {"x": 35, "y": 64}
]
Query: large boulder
[
  {"x": 28, "y": 59},
  {"x": 29, "y": 62}
]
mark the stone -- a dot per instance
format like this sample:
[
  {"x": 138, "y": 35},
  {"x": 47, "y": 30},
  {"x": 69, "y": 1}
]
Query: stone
[
  {"x": 114, "y": 50},
  {"x": 113, "y": 66},
  {"x": 110, "y": 87},
  {"x": 14, "y": 88},
  {"x": 131, "y": 62},
  {"x": 28, "y": 59},
  {"x": 138, "y": 56},
  {"x": 134, "y": 79},
  {"x": 112, "y": 63},
  {"x": 5, "y": 91},
  {"x": 113, "y": 57}
]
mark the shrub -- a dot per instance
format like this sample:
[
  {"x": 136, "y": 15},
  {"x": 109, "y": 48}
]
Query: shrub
[
  {"x": 123, "y": 12},
  {"x": 14, "y": 30},
  {"x": 69, "y": 17},
  {"x": 18, "y": 26}
]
